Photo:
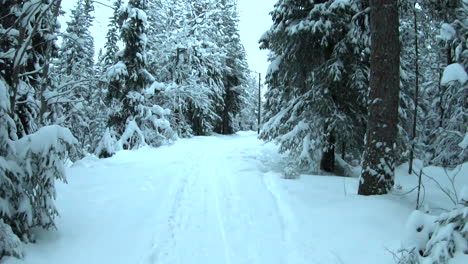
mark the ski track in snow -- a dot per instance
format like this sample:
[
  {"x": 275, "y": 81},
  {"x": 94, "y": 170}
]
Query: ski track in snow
[{"x": 212, "y": 218}]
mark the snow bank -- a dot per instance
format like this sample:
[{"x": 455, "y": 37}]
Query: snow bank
[
  {"x": 447, "y": 32},
  {"x": 454, "y": 72}
]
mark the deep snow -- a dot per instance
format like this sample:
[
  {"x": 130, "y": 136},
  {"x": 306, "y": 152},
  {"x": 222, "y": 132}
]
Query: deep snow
[{"x": 220, "y": 200}]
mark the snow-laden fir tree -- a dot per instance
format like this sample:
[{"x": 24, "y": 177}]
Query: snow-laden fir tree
[
  {"x": 10, "y": 179},
  {"x": 105, "y": 60},
  {"x": 129, "y": 73},
  {"x": 195, "y": 53},
  {"x": 247, "y": 119},
  {"x": 26, "y": 53},
  {"x": 449, "y": 111},
  {"x": 318, "y": 79},
  {"x": 112, "y": 38},
  {"x": 74, "y": 72},
  {"x": 135, "y": 116},
  {"x": 236, "y": 70},
  {"x": 30, "y": 163}
]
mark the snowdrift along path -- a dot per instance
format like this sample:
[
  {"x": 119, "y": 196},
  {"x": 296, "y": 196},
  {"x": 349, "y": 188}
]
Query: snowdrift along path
[{"x": 213, "y": 200}]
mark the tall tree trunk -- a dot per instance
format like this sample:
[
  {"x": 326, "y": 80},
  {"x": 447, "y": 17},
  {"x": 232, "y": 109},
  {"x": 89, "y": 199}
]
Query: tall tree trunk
[
  {"x": 343, "y": 150},
  {"x": 416, "y": 94},
  {"x": 327, "y": 163},
  {"x": 379, "y": 158}
]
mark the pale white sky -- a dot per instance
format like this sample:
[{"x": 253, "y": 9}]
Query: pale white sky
[{"x": 254, "y": 21}]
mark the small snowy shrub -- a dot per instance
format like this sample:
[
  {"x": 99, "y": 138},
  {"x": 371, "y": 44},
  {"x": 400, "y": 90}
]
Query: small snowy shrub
[
  {"x": 132, "y": 138},
  {"x": 290, "y": 172},
  {"x": 29, "y": 168},
  {"x": 436, "y": 240},
  {"x": 155, "y": 126},
  {"x": 10, "y": 244},
  {"x": 148, "y": 124},
  {"x": 108, "y": 144},
  {"x": 41, "y": 155}
]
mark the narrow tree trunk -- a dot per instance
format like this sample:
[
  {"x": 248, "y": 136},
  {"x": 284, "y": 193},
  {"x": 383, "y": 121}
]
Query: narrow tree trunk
[
  {"x": 343, "y": 150},
  {"x": 416, "y": 94},
  {"x": 379, "y": 158},
  {"x": 327, "y": 163},
  {"x": 259, "y": 101},
  {"x": 440, "y": 93}
]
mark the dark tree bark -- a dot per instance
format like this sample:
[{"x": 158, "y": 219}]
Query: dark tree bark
[
  {"x": 327, "y": 163},
  {"x": 379, "y": 158},
  {"x": 343, "y": 150},
  {"x": 416, "y": 95}
]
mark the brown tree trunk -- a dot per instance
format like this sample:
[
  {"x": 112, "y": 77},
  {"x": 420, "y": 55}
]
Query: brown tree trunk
[{"x": 379, "y": 159}]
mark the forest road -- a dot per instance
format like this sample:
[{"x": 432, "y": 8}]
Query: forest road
[
  {"x": 201, "y": 200},
  {"x": 221, "y": 210}
]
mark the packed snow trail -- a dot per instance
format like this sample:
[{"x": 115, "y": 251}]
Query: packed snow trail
[{"x": 217, "y": 200}]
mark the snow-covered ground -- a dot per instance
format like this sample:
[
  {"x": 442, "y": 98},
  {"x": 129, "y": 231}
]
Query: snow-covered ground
[{"x": 219, "y": 200}]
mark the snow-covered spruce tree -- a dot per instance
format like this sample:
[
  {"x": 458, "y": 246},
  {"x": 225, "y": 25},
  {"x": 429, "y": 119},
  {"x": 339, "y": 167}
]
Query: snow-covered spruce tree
[
  {"x": 166, "y": 33},
  {"x": 236, "y": 70},
  {"x": 377, "y": 175},
  {"x": 187, "y": 56},
  {"x": 112, "y": 38},
  {"x": 208, "y": 62},
  {"x": 74, "y": 71},
  {"x": 29, "y": 164},
  {"x": 11, "y": 174},
  {"x": 418, "y": 73},
  {"x": 101, "y": 133},
  {"x": 247, "y": 119},
  {"x": 317, "y": 80},
  {"x": 129, "y": 73},
  {"x": 449, "y": 111},
  {"x": 25, "y": 56},
  {"x": 134, "y": 116}
]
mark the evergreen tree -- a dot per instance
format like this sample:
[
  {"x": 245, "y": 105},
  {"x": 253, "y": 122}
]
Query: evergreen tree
[
  {"x": 29, "y": 164},
  {"x": 74, "y": 72},
  {"x": 112, "y": 38},
  {"x": 317, "y": 80},
  {"x": 449, "y": 116},
  {"x": 236, "y": 69},
  {"x": 106, "y": 59},
  {"x": 189, "y": 53},
  {"x": 129, "y": 73},
  {"x": 247, "y": 119},
  {"x": 136, "y": 116}
]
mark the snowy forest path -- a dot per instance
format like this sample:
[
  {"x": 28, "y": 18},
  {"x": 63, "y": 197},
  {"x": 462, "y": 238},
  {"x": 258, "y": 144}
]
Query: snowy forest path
[
  {"x": 201, "y": 200},
  {"x": 214, "y": 200},
  {"x": 225, "y": 214}
]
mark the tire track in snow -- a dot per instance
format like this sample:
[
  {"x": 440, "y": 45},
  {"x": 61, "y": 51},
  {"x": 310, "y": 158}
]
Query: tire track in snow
[
  {"x": 234, "y": 211},
  {"x": 214, "y": 171},
  {"x": 289, "y": 226},
  {"x": 162, "y": 244}
]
